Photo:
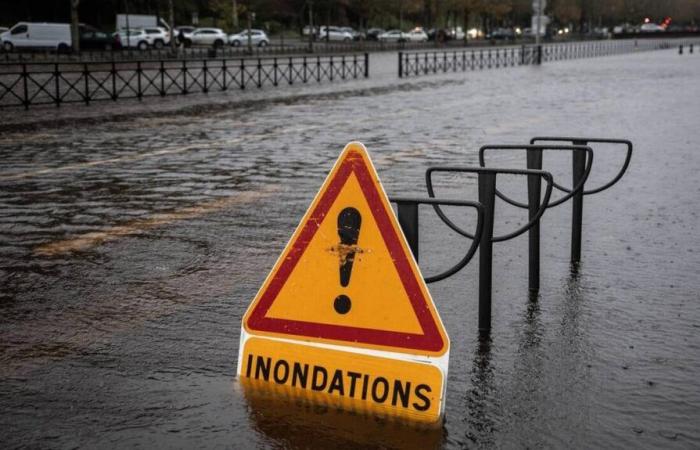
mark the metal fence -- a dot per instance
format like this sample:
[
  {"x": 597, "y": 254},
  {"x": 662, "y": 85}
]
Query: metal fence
[
  {"x": 424, "y": 63},
  {"x": 27, "y": 84},
  {"x": 431, "y": 62}
]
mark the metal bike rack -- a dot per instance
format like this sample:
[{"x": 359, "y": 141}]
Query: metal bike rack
[
  {"x": 487, "y": 196},
  {"x": 579, "y": 163},
  {"x": 407, "y": 212},
  {"x": 534, "y": 189}
]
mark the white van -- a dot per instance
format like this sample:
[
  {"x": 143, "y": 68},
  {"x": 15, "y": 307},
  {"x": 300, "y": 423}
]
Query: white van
[{"x": 26, "y": 35}]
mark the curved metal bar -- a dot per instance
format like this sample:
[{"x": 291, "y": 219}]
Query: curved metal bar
[
  {"x": 475, "y": 242},
  {"x": 543, "y": 207},
  {"x": 569, "y": 192},
  {"x": 586, "y": 141}
]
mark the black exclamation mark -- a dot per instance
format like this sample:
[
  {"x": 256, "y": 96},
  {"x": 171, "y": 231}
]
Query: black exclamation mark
[{"x": 349, "y": 221}]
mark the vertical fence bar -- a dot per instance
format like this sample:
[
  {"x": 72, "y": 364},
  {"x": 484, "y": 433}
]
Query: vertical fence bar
[
  {"x": 204, "y": 69},
  {"x": 162, "y": 79},
  {"x": 184, "y": 76},
  {"x": 275, "y": 67},
  {"x": 242, "y": 73},
  {"x": 408, "y": 220},
  {"x": 487, "y": 194},
  {"x": 366, "y": 65},
  {"x": 291, "y": 71},
  {"x": 86, "y": 96},
  {"x": 534, "y": 189},
  {"x": 223, "y": 75},
  {"x": 259, "y": 83},
  {"x": 26, "y": 87},
  {"x": 139, "y": 93},
  {"x": 579, "y": 168},
  {"x": 56, "y": 75},
  {"x": 304, "y": 65},
  {"x": 114, "y": 81},
  {"x": 400, "y": 64}
]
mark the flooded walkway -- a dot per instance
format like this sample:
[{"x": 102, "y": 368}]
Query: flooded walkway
[{"x": 130, "y": 249}]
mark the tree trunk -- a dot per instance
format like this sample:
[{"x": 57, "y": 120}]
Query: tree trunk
[
  {"x": 234, "y": 14},
  {"x": 74, "y": 21},
  {"x": 171, "y": 20}
]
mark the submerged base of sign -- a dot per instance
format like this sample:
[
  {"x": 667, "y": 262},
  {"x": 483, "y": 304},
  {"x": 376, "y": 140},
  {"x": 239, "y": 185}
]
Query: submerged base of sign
[
  {"x": 345, "y": 315},
  {"x": 384, "y": 385}
]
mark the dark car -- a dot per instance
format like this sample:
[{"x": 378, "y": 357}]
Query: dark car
[
  {"x": 501, "y": 34},
  {"x": 93, "y": 39},
  {"x": 373, "y": 34},
  {"x": 439, "y": 34}
]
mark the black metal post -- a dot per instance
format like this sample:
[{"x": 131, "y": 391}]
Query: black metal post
[
  {"x": 579, "y": 168},
  {"x": 487, "y": 195},
  {"x": 366, "y": 65},
  {"x": 408, "y": 220},
  {"x": 400, "y": 64},
  {"x": 534, "y": 189}
]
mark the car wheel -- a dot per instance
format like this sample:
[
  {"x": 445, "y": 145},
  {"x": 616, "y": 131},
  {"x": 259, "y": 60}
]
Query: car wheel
[
  {"x": 236, "y": 43},
  {"x": 262, "y": 44},
  {"x": 347, "y": 39},
  {"x": 8, "y": 47},
  {"x": 159, "y": 44},
  {"x": 143, "y": 45},
  {"x": 218, "y": 43},
  {"x": 63, "y": 48}
]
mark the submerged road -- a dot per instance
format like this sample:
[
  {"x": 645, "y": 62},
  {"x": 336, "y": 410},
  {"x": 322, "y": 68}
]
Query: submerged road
[{"x": 130, "y": 249}]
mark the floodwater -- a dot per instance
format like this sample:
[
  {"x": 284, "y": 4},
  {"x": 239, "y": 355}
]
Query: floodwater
[{"x": 130, "y": 249}]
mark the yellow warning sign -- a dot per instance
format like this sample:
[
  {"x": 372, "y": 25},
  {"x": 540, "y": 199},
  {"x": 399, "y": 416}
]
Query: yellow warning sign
[{"x": 347, "y": 284}]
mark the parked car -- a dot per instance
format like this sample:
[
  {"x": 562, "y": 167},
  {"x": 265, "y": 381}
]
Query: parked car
[
  {"x": 93, "y": 39},
  {"x": 133, "y": 38},
  {"x": 307, "y": 30},
  {"x": 439, "y": 34},
  {"x": 207, "y": 36},
  {"x": 417, "y": 35},
  {"x": 157, "y": 37},
  {"x": 457, "y": 33},
  {"x": 373, "y": 34},
  {"x": 501, "y": 34},
  {"x": 651, "y": 28},
  {"x": 25, "y": 35},
  {"x": 393, "y": 36},
  {"x": 186, "y": 33},
  {"x": 356, "y": 35},
  {"x": 334, "y": 34},
  {"x": 257, "y": 37}
]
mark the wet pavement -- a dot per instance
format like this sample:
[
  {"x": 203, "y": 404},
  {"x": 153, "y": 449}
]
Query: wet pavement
[{"x": 130, "y": 248}]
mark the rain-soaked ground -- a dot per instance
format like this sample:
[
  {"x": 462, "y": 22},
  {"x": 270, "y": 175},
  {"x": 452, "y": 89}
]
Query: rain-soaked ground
[{"x": 130, "y": 249}]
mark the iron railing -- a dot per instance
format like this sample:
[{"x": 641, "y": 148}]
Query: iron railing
[
  {"x": 433, "y": 62},
  {"x": 56, "y": 83}
]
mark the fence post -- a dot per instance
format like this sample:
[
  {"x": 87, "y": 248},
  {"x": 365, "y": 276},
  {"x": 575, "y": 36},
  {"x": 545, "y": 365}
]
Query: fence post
[
  {"x": 274, "y": 71},
  {"x": 242, "y": 73},
  {"x": 291, "y": 71},
  {"x": 408, "y": 220},
  {"x": 114, "y": 82},
  {"x": 579, "y": 169},
  {"x": 139, "y": 94},
  {"x": 26, "y": 88},
  {"x": 223, "y": 75},
  {"x": 304, "y": 64},
  {"x": 534, "y": 189},
  {"x": 205, "y": 89},
  {"x": 86, "y": 74},
  {"x": 162, "y": 79},
  {"x": 400, "y": 64},
  {"x": 331, "y": 69},
  {"x": 260, "y": 72},
  {"x": 487, "y": 193},
  {"x": 56, "y": 75},
  {"x": 184, "y": 76},
  {"x": 680, "y": 49},
  {"x": 342, "y": 65},
  {"x": 366, "y": 65}
]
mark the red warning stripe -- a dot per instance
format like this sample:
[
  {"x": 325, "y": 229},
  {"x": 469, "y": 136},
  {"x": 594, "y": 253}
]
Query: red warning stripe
[{"x": 431, "y": 339}]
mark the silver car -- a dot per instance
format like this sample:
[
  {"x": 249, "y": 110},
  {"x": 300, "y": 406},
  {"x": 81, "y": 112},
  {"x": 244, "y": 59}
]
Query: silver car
[
  {"x": 214, "y": 37},
  {"x": 257, "y": 37}
]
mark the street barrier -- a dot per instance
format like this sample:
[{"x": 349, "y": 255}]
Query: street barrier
[
  {"x": 407, "y": 212},
  {"x": 486, "y": 178},
  {"x": 57, "y": 83},
  {"x": 579, "y": 174},
  {"x": 582, "y": 157}
]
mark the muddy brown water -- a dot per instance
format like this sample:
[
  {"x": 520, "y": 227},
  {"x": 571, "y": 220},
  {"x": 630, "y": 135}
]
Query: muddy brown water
[{"x": 130, "y": 249}]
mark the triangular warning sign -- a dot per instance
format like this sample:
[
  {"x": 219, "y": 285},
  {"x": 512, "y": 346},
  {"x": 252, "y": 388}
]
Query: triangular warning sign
[{"x": 347, "y": 276}]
